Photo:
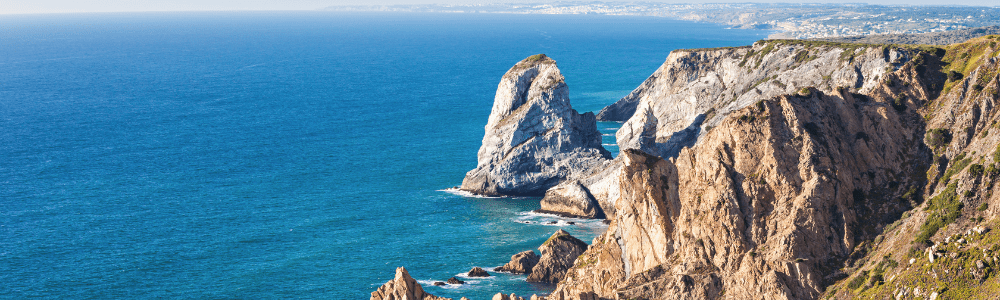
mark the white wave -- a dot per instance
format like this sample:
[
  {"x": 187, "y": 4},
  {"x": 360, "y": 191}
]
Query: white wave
[
  {"x": 608, "y": 134},
  {"x": 609, "y": 145},
  {"x": 459, "y": 192},
  {"x": 546, "y": 219}
]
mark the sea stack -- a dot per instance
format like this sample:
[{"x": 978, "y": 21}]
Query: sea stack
[
  {"x": 558, "y": 254},
  {"x": 534, "y": 139},
  {"x": 403, "y": 287}
]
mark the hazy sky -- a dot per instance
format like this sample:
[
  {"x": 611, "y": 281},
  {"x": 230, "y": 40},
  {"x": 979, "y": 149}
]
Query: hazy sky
[{"x": 62, "y": 6}]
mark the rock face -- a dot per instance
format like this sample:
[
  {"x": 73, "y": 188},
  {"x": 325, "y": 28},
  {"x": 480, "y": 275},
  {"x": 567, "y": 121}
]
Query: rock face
[
  {"x": 403, "y": 287},
  {"x": 696, "y": 89},
  {"x": 520, "y": 263},
  {"x": 775, "y": 195},
  {"x": 558, "y": 254},
  {"x": 571, "y": 199},
  {"x": 478, "y": 272},
  {"x": 534, "y": 139}
]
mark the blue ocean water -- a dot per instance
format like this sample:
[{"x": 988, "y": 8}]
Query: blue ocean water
[{"x": 280, "y": 154}]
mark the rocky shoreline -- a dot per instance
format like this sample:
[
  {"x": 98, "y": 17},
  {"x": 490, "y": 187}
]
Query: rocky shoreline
[{"x": 787, "y": 169}]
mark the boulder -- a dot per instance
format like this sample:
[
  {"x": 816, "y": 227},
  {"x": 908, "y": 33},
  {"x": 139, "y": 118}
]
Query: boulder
[
  {"x": 478, "y": 272},
  {"x": 502, "y": 296},
  {"x": 520, "y": 263},
  {"x": 439, "y": 283},
  {"x": 454, "y": 280},
  {"x": 534, "y": 138},
  {"x": 571, "y": 199},
  {"x": 403, "y": 287},
  {"x": 558, "y": 254}
]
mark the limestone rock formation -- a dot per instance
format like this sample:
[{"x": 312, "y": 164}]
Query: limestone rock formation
[
  {"x": 696, "y": 89},
  {"x": 520, "y": 263},
  {"x": 403, "y": 287},
  {"x": 558, "y": 254},
  {"x": 534, "y": 139},
  {"x": 478, "y": 272},
  {"x": 571, "y": 199},
  {"x": 764, "y": 204}
]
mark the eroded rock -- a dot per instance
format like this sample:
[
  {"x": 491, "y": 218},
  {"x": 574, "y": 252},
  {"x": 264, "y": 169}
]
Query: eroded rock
[
  {"x": 571, "y": 199},
  {"x": 403, "y": 287},
  {"x": 558, "y": 254},
  {"x": 534, "y": 138},
  {"x": 478, "y": 272},
  {"x": 520, "y": 263}
]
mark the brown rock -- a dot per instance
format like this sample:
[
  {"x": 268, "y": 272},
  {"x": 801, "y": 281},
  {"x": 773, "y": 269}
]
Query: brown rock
[
  {"x": 454, "y": 280},
  {"x": 403, "y": 287},
  {"x": 478, "y": 272},
  {"x": 571, "y": 199},
  {"x": 520, "y": 263},
  {"x": 558, "y": 254}
]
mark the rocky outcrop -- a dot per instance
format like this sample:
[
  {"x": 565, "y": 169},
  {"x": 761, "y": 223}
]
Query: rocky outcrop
[
  {"x": 571, "y": 199},
  {"x": 520, "y": 263},
  {"x": 696, "y": 89},
  {"x": 502, "y": 296},
  {"x": 478, "y": 272},
  {"x": 558, "y": 254},
  {"x": 774, "y": 198},
  {"x": 403, "y": 287},
  {"x": 534, "y": 139},
  {"x": 454, "y": 280},
  {"x": 947, "y": 231}
]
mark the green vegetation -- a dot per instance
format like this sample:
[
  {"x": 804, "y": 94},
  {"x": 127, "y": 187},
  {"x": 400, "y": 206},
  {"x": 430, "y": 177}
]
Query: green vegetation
[
  {"x": 536, "y": 57},
  {"x": 945, "y": 209},
  {"x": 976, "y": 170},
  {"x": 805, "y": 92},
  {"x": 983, "y": 207},
  {"x": 965, "y": 57},
  {"x": 939, "y": 137},
  {"x": 958, "y": 165}
]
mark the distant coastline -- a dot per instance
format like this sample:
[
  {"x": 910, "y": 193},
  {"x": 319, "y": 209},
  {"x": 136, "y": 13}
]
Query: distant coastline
[{"x": 790, "y": 21}]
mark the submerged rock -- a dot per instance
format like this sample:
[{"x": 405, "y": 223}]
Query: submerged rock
[
  {"x": 558, "y": 254},
  {"x": 534, "y": 138},
  {"x": 403, "y": 287},
  {"x": 571, "y": 199},
  {"x": 478, "y": 272},
  {"x": 521, "y": 263}
]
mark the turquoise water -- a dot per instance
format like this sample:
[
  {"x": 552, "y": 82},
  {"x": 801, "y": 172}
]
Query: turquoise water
[{"x": 280, "y": 155}]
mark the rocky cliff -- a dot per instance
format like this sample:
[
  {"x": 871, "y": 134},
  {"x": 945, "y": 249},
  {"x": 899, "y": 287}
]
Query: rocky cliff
[
  {"x": 800, "y": 170},
  {"x": 696, "y": 89},
  {"x": 534, "y": 139}
]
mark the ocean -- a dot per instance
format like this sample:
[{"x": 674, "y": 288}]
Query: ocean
[{"x": 268, "y": 155}]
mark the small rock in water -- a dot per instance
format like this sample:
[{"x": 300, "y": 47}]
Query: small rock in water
[
  {"x": 551, "y": 222},
  {"x": 571, "y": 223},
  {"x": 439, "y": 283},
  {"x": 454, "y": 280},
  {"x": 478, "y": 272}
]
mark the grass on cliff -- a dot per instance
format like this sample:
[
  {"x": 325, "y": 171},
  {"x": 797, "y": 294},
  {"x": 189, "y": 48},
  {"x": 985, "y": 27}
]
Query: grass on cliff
[
  {"x": 945, "y": 208},
  {"x": 963, "y": 58},
  {"x": 954, "y": 274}
]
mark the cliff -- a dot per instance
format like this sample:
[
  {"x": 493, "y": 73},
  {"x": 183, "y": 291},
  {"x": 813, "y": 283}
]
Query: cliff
[
  {"x": 817, "y": 191},
  {"x": 534, "y": 138},
  {"x": 799, "y": 170}
]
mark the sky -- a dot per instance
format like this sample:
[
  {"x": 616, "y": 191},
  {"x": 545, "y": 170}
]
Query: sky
[{"x": 71, "y": 6}]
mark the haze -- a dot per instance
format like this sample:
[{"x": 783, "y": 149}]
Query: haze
[{"x": 76, "y": 6}]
